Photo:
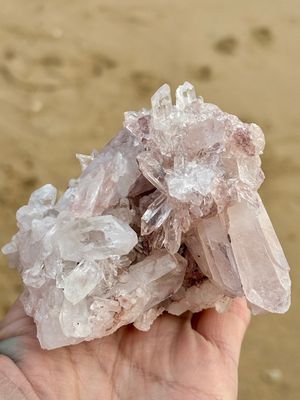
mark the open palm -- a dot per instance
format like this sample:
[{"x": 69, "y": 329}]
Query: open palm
[{"x": 180, "y": 358}]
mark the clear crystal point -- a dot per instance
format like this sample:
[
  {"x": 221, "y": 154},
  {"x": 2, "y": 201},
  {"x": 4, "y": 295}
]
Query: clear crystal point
[
  {"x": 81, "y": 281},
  {"x": 185, "y": 95},
  {"x": 162, "y": 102},
  {"x": 256, "y": 248}
]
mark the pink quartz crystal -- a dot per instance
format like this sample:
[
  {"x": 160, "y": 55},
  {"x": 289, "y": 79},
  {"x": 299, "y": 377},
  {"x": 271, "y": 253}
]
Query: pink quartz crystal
[{"x": 165, "y": 218}]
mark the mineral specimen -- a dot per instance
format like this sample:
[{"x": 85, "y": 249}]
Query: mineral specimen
[{"x": 165, "y": 218}]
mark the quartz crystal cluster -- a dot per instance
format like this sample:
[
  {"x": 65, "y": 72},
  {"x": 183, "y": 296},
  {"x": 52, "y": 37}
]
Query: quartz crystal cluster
[{"x": 166, "y": 218}]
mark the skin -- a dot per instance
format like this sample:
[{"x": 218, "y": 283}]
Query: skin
[{"x": 189, "y": 357}]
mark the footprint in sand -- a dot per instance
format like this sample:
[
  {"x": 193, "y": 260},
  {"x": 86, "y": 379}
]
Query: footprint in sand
[
  {"x": 226, "y": 45},
  {"x": 9, "y": 54},
  {"x": 97, "y": 63},
  {"x": 203, "y": 73},
  {"x": 51, "y": 60},
  {"x": 100, "y": 62},
  {"x": 30, "y": 182},
  {"x": 262, "y": 35}
]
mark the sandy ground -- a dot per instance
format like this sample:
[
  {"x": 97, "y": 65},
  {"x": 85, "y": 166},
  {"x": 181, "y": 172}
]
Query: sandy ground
[{"x": 68, "y": 70}]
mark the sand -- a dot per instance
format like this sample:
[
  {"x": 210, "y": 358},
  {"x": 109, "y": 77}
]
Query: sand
[{"x": 69, "y": 69}]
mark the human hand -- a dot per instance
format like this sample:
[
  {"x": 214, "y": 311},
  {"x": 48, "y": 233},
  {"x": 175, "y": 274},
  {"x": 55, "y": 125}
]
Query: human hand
[{"x": 180, "y": 358}]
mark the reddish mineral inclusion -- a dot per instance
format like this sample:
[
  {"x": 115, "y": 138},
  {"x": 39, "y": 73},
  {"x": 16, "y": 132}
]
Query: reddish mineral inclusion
[{"x": 165, "y": 218}]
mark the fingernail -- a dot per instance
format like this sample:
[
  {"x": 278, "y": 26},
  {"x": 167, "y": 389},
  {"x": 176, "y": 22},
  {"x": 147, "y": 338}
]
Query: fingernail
[{"x": 12, "y": 348}]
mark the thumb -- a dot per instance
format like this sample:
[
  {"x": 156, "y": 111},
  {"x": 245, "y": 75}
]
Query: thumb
[{"x": 225, "y": 330}]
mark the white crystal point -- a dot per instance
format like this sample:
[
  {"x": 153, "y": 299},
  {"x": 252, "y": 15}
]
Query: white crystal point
[
  {"x": 108, "y": 178},
  {"x": 152, "y": 170},
  {"x": 85, "y": 160},
  {"x": 162, "y": 102},
  {"x": 81, "y": 281},
  {"x": 74, "y": 319},
  {"x": 173, "y": 234},
  {"x": 185, "y": 95},
  {"x": 10, "y": 249},
  {"x": 95, "y": 238},
  {"x": 210, "y": 246},
  {"x": 262, "y": 265},
  {"x": 154, "y": 279},
  {"x": 165, "y": 218},
  {"x": 45, "y": 196},
  {"x": 155, "y": 216},
  {"x": 46, "y": 316},
  {"x": 257, "y": 137}
]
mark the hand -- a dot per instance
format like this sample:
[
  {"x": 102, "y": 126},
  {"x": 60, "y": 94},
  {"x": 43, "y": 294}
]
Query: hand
[{"x": 180, "y": 358}]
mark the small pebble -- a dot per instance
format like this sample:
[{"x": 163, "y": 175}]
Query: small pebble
[{"x": 274, "y": 375}]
